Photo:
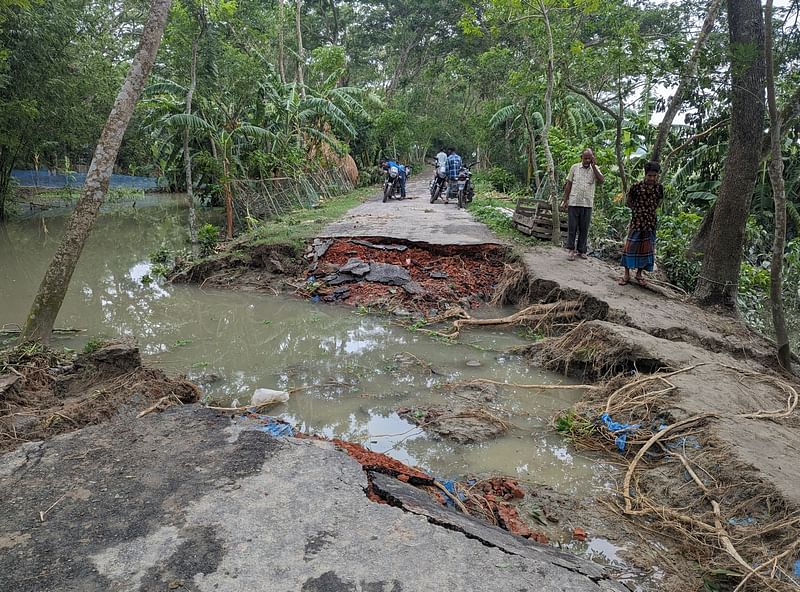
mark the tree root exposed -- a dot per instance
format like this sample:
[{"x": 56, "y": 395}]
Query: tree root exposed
[
  {"x": 740, "y": 530},
  {"x": 536, "y": 316}
]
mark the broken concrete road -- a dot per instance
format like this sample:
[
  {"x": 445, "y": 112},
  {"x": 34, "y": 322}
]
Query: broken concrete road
[
  {"x": 190, "y": 500},
  {"x": 412, "y": 219}
]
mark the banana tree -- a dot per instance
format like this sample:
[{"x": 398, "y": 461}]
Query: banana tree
[{"x": 227, "y": 134}]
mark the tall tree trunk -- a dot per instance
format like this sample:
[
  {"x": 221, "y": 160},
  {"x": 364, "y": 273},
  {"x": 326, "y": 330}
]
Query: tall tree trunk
[
  {"x": 8, "y": 157},
  {"x": 779, "y": 200},
  {"x": 187, "y": 156},
  {"x": 226, "y": 184},
  {"x": 686, "y": 79},
  {"x": 529, "y": 172},
  {"x": 335, "y": 12},
  {"x": 719, "y": 277},
  {"x": 281, "y": 55},
  {"x": 53, "y": 288},
  {"x": 618, "y": 135},
  {"x": 300, "y": 55},
  {"x": 548, "y": 120},
  {"x": 6, "y": 165}
]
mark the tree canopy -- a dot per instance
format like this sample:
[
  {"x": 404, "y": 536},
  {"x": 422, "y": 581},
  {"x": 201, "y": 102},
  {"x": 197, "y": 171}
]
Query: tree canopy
[{"x": 404, "y": 78}]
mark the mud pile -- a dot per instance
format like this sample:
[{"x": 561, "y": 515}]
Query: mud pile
[
  {"x": 243, "y": 266},
  {"x": 392, "y": 275},
  {"x": 43, "y": 393}
]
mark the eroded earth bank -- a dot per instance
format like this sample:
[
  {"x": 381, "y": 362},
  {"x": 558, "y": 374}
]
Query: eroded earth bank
[{"x": 688, "y": 405}]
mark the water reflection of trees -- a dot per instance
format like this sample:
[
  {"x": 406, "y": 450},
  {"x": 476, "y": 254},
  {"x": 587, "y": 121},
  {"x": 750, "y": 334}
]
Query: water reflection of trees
[{"x": 353, "y": 364}]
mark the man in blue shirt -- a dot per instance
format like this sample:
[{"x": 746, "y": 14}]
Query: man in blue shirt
[{"x": 454, "y": 164}]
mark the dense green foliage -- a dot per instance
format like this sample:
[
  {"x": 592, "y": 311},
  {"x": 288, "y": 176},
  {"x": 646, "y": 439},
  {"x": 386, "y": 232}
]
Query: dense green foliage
[{"x": 401, "y": 79}]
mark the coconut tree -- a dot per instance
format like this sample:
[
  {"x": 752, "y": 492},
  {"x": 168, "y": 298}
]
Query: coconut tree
[{"x": 53, "y": 288}]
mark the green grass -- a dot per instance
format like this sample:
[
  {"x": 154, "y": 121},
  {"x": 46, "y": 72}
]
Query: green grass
[
  {"x": 484, "y": 208},
  {"x": 303, "y": 224},
  {"x": 94, "y": 344}
]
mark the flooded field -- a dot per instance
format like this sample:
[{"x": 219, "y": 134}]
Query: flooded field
[{"x": 350, "y": 372}]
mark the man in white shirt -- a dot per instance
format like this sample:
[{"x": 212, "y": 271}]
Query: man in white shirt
[
  {"x": 441, "y": 159},
  {"x": 579, "y": 197}
]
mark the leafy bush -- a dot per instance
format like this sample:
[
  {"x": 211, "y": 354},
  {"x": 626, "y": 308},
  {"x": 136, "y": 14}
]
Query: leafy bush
[
  {"x": 208, "y": 237},
  {"x": 791, "y": 274},
  {"x": 93, "y": 345},
  {"x": 674, "y": 235},
  {"x": 499, "y": 179},
  {"x": 752, "y": 291}
]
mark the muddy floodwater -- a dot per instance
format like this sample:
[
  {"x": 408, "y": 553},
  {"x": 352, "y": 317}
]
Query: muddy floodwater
[{"x": 353, "y": 371}]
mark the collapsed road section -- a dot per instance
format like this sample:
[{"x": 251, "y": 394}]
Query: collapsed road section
[{"x": 188, "y": 500}]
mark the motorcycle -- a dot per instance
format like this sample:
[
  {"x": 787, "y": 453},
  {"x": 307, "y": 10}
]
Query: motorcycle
[
  {"x": 439, "y": 182},
  {"x": 462, "y": 189},
  {"x": 391, "y": 183}
]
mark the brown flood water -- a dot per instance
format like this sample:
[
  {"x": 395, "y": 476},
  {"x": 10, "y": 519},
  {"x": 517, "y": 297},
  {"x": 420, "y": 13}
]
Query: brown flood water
[{"x": 235, "y": 342}]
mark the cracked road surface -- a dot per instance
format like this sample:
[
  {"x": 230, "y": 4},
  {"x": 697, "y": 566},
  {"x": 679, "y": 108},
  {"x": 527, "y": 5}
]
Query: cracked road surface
[
  {"x": 412, "y": 219},
  {"x": 191, "y": 500}
]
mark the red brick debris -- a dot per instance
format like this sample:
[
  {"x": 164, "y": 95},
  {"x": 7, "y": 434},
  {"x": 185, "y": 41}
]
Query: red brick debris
[
  {"x": 497, "y": 493},
  {"x": 499, "y": 489},
  {"x": 376, "y": 461},
  {"x": 471, "y": 270}
]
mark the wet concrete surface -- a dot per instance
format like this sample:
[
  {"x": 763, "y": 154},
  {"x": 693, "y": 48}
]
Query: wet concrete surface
[
  {"x": 191, "y": 500},
  {"x": 413, "y": 219}
]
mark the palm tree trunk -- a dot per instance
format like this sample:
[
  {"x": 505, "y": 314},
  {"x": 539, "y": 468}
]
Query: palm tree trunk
[
  {"x": 779, "y": 199},
  {"x": 53, "y": 288},
  {"x": 548, "y": 120},
  {"x": 226, "y": 183},
  {"x": 187, "y": 157},
  {"x": 685, "y": 80},
  {"x": 719, "y": 277},
  {"x": 300, "y": 57},
  {"x": 281, "y": 56}
]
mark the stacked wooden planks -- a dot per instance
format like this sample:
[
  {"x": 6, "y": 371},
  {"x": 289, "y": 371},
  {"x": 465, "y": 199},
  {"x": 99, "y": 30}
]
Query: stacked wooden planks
[{"x": 534, "y": 217}]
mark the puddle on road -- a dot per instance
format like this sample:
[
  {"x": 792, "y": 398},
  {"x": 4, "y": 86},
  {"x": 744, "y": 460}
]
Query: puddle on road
[{"x": 235, "y": 342}]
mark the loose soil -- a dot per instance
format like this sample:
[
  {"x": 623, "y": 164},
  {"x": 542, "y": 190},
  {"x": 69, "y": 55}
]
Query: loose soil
[
  {"x": 705, "y": 426},
  {"x": 440, "y": 275},
  {"x": 243, "y": 266},
  {"x": 444, "y": 274},
  {"x": 43, "y": 394}
]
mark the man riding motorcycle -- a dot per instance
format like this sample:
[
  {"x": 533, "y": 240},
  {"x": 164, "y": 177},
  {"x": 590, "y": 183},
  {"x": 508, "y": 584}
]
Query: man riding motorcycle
[
  {"x": 454, "y": 164},
  {"x": 387, "y": 164}
]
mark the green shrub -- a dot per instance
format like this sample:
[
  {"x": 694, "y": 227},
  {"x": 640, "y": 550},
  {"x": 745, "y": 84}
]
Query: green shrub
[
  {"x": 500, "y": 179},
  {"x": 674, "y": 235},
  {"x": 791, "y": 274},
  {"x": 208, "y": 237},
  {"x": 752, "y": 292},
  {"x": 93, "y": 345}
]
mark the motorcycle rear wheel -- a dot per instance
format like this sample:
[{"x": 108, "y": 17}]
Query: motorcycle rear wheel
[{"x": 437, "y": 192}]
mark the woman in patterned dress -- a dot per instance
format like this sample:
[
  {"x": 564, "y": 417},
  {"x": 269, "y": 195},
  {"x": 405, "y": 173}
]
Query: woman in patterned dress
[{"x": 640, "y": 247}]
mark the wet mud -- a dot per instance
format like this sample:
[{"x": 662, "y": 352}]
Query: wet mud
[{"x": 44, "y": 393}]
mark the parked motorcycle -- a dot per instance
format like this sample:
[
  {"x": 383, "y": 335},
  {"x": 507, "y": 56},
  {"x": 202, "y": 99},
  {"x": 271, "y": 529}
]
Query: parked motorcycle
[
  {"x": 439, "y": 182},
  {"x": 391, "y": 182},
  {"x": 462, "y": 190}
]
